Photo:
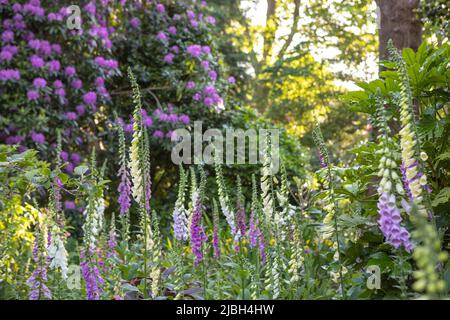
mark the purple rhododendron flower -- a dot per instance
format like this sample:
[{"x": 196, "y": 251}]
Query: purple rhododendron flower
[
  {"x": 38, "y": 138},
  {"x": 9, "y": 74},
  {"x": 208, "y": 101},
  {"x": 213, "y": 75},
  {"x": 14, "y": 139},
  {"x": 190, "y": 14},
  {"x": 194, "y": 23},
  {"x": 211, "y": 20},
  {"x": 231, "y": 80},
  {"x": 54, "y": 66},
  {"x": 58, "y": 84},
  {"x": 172, "y": 30},
  {"x": 36, "y": 61},
  {"x": 190, "y": 85},
  {"x": 90, "y": 98},
  {"x": 197, "y": 97},
  {"x": 168, "y": 58},
  {"x": 68, "y": 168},
  {"x": 184, "y": 119},
  {"x": 135, "y": 23},
  {"x": 206, "y": 49},
  {"x": 128, "y": 128},
  {"x": 205, "y": 64},
  {"x": 34, "y": 44},
  {"x": 60, "y": 92},
  {"x": 147, "y": 121},
  {"x": 161, "y": 36},
  {"x": 80, "y": 109},
  {"x": 69, "y": 71},
  {"x": 56, "y": 48},
  {"x": 64, "y": 155},
  {"x": 70, "y": 205},
  {"x": 39, "y": 83},
  {"x": 71, "y": 116},
  {"x": 158, "y": 134},
  {"x": 160, "y": 8},
  {"x": 194, "y": 50},
  {"x": 90, "y": 8},
  {"x": 7, "y": 36},
  {"x": 76, "y": 84},
  {"x": 75, "y": 158},
  {"x": 32, "y": 95},
  {"x": 99, "y": 82}
]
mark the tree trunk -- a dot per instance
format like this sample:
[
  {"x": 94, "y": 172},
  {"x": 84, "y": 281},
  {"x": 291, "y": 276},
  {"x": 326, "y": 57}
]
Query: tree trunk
[
  {"x": 399, "y": 22},
  {"x": 270, "y": 30}
]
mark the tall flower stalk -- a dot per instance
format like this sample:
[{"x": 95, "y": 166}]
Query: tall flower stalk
[
  {"x": 273, "y": 267},
  {"x": 216, "y": 237},
  {"x": 390, "y": 218},
  {"x": 256, "y": 236},
  {"x": 427, "y": 253},
  {"x": 283, "y": 217},
  {"x": 295, "y": 256},
  {"x": 156, "y": 253},
  {"x": 320, "y": 143},
  {"x": 37, "y": 282},
  {"x": 56, "y": 247},
  {"x": 198, "y": 236},
  {"x": 140, "y": 171},
  {"x": 124, "y": 188},
  {"x": 180, "y": 214},
  {"x": 223, "y": 196},
  {"x": 93, "y": 227},
  {"x": 241, "y": 227},
  {"x": 193, "y": 195},
  {"x": 415, "y": 179}
]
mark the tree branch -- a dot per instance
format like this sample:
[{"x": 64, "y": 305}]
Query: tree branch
[{"x": 294, "y": 28}]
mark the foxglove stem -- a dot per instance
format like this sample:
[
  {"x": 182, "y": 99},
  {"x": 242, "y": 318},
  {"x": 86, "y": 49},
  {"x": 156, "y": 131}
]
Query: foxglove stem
[
  {"x": 223, "y": 196},
  {"x": 390, "y": 218},
  {"x": 37, "y": 282},
  {"x": 198, "y": 236},
  {"x": 125, "y": 183},
  {"x": 216, "y": 240},
  {"x": 318, "y": 139},
  {"x": 241, "y": 228},
  {"x": 91, "y": 274},
  {"x": 180, "y": 214},
  {"x": 124, "y": 190},
  {"x": 415, "y": 180}
]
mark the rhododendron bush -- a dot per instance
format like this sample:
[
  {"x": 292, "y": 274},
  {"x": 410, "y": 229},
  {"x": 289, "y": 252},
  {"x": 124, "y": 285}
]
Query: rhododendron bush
[{"x": 54, "y": 78}]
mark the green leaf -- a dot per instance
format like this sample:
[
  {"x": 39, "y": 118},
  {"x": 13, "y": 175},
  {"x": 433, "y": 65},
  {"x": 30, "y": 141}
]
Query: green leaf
[
  {"x": 442, "y": 197},
  {"x": 380, "y": 259},
  {"x": 64, "y": 177},
  {"x": 81, "y": 170},
  {"x": 409, "y": 56}
]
